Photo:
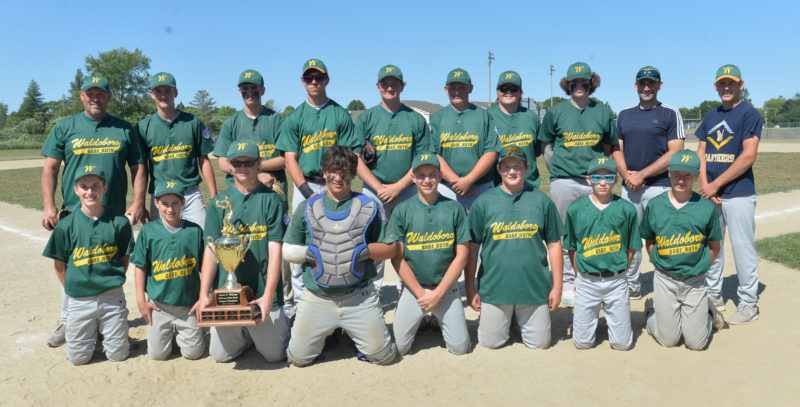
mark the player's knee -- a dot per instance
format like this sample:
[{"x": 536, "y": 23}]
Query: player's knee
[
  {"x": 458, "y": 349},
  {"x": 159, "y": 355},
  {"x": 582, "y": 345},
  {"x": 299, "y": 362},
  {"x": 192, "y": 353},
  {"x": 80, "y": 359},
  {"x": 384, "y": 356},
  {"x": 403, "y": 347},
  {"x": 696, "y": 343},
  {"x": 118, "y": 353},
  {"x": 622, "y": 345}
]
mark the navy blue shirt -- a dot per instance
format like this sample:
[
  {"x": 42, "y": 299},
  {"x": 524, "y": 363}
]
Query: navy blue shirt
[
  {"x": 724, "y": 131},
  {"x": 645, "y": 134}
]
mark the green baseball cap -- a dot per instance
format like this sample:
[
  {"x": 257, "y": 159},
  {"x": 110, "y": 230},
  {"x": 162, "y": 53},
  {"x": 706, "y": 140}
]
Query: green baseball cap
[
  {"x": 162, "y": 79},
  {"x": 96, "y": 81},
  {"x": 648, "y": 72},
  {"x": 512, "y": 151},
  {"x": 685, "y": 160},
  {"x": 424, "y": 159},
  {"x": 89, "y": 169},
  {"x": 390, "y": 70},
  {"x": 168, "y": 187},
  {"x": 602, "y": 163},
  {"x": 243, "y": 148},
  {"x": 579, "y": 70},
  {"x": 729, "y": 71},
  {"x": 315, "y": 64},
  {"x": 510, "y": 77},
  {"x": 458, "y": 75},
  {"x": 251, "y": 76}
]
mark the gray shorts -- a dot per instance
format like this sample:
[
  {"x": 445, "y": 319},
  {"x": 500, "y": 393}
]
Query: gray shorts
[
  {"x": 106, "y": 313},
  {"x": 174, "y": 320},
  {"x": 449, "y": 313}
]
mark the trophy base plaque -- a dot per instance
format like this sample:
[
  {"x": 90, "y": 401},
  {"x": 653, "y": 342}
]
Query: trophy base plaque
[{"x": 229, "y": 308}]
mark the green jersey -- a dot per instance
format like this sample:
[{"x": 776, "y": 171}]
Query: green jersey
[
  {"x": 602, "y": 238},
  {"x": 462, "y": 138},
  {"x": 429, "y": 235},
  {"x": 171, "y": 261},
  {"x": 260, "y": 214},
  {"x": 264, "y": 129},
  {"x": 397, "y": 138},
  {"x": 512, "y": 231},
  {"x": 577, "y": 135},
  {"x": 172, "y": 148},
  {"x": 109, "y": 143},
  {"x": 93, "y": 250},
  {"x": 299, "y": 234},
  {"x": 518, "y": 129},
  {"x": 309, "y": 132},
  {"x": 681, "y": 235}
]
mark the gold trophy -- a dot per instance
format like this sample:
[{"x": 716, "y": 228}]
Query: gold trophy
[{"x": 229, "y": 304}]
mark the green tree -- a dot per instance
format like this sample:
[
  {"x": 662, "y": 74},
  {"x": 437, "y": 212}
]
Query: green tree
[
  {"x": 289, "y": 109},
  {"x": 76, "y": 105},
  {"x": 745, "y": 95},
  {"x": 32, "y": 102},
  {"x": 203, "y": 101},
  {"x": 126, "y": 72},
  {"x": 3, "y": 114},
  {"x": 556, "y": 100},
  {"x": 790, "y": 111},
  {"x": 355, "y": 104},
  {"x": 226, "y": 111},
  {"x": 771, "y": 109}
]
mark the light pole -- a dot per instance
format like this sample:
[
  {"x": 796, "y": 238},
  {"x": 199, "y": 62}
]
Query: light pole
[
  {"x": 491, "y": 58},
  {"x": 552, "y": 69}
]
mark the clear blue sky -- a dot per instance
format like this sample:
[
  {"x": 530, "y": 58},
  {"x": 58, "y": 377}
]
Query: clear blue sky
[{"x": 206, "y": 44}]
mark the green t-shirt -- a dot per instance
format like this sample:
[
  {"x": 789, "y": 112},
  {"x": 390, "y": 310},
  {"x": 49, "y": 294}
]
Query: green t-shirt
[
  {"x": 93, "y": 251},
  {"x": 518, "y": 129},
  {"x": 397, "y": 138},
  {"x": 171, "y": 262},
  {"x": 681, "y": 235},
  {"x": 109, "y": 144},
  {"x": 299, "y": 234},
  {"x": 463, "y": 138},
  {"x": 577, "y": 137},
  {"x": 172, "y": 148},
  {"x": 264, "y": 129},
  {"x": 261, "y": 215},
  {"x": 429, "y": 235},
  {"x": 512, "y": 231},
  {"x": 602, "y": 238},
  {"x": 309, "y": 132}
]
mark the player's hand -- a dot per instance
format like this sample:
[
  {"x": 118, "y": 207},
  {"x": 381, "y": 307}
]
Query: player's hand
[
  {"x": 716, "y": 199},
  {"x": 474, "y": 301},
  {"x": 266, "y": 179},
  {"x": 708, "y": 189},
  {"x": 50, "y": 218},
  {"x": 463, "y": 187},
  {"x": 389, "y": 193},
  {"x": 264, "y": 303},
  {"x": 135, "y": 213},
  {"x": 554, "y": 299},
  {"x": 634, "y": 180},
  {"x": 146, "y": 309},
  {"x": 201, "y": 303},
  {"x": 429, "y": 300}
]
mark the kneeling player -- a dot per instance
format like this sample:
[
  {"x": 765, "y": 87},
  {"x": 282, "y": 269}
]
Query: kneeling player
[
  {"x": 682, "y": 233},
  {"x": 515, "y": 230},
  {"x": 433, "y": 234},
  {"x": 602, "y": 237}
]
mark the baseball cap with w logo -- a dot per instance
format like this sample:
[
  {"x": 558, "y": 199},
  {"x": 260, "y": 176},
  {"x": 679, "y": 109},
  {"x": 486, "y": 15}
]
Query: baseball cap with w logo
[
  {"x": 685, "y": 160},
  {"x": 162, "y": 79}
]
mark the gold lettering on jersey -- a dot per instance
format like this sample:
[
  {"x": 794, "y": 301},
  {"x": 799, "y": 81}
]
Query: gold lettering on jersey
[
  {"x": 601, "y": 244},
  {"x": 266, "y": 150},
  {"x": 719, "y": 142},
  {"x": 83, "y": 256},
  {"x": 173, "y": 268},
  {"x": 520, "y": 139},
  {"x": 319, "y": 139},
  {"x": 513, "y": 230},
  {"x": 416, "y": 241},
  {"x": 95, "y": 146},
  {"x": 582, "y": 139},
  {"x": 400, "y": 141},
  {"x": 679, "y": 244},
  {"x": 171, "y": 152},
  {"x": 256, "y": 231},
  {"x": 458, "y": 140},
  {"x": 720, "y": 158}
]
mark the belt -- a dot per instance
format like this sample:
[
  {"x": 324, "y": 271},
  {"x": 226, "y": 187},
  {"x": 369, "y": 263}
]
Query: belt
[{"x": 605, "y": 274}]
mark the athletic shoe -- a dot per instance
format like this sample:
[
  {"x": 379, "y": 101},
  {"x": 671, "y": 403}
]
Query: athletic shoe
[
  {"x": 568, "y": 298},
  {"x": 59, "y": 337},
  {"x": 744, "y": 314},
  {"x": 634, "y": 294},
  {"x": 717, "y": 320},
  {"x": 718, "y": 302}
]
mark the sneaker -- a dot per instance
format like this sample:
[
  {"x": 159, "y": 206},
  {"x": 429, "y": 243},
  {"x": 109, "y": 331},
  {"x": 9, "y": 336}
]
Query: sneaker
[
  {"x": 568, "y": 298},
  {"x": 634, "y": 294},
  {"x": 717, "y": 320},
  {"x": 59, "y": 337},
  {"x": 718, "y": 302},
  {"x": 744, "y": 314}
]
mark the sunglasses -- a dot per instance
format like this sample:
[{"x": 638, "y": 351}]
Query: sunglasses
[
  {"x": 248, "y": 163},
  {"x": 508, "y": 89},
  {"x": 648, "y": 73},
  {"x": 318, "y": 76},
  {"x": 608, "y": 178}
]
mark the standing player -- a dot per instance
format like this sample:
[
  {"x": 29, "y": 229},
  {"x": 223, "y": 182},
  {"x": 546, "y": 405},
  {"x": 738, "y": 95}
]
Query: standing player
[
  {"x": 461, "y": 136},
  {"x": 729, "y": 137},
  {"x": 649, "y": 133},
  {"x": 315, "y": 126},
  {"x": 515, "y": 125},
  {"x": 516, "y": 231},
  {"x": 90, "y": 250},
  {"x": 397, "y": 134},
  {"x": 682, "y": 233},
  {"x": 167, "y": 256},
  {"x": 573, "y": 133},
  {"x": 95, "y": 137},
  {"x": 259, "y": 212},
  {"x": 176, "y": 143},
  {"x": 602, "y": 236},
  {"x": 433, "y": 235}
]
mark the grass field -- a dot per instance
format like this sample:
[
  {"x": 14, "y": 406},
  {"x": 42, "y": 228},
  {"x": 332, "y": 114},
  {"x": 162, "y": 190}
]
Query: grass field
[
  {"x": 784, "y": 249},
  {"x": 21, "y": 154}
]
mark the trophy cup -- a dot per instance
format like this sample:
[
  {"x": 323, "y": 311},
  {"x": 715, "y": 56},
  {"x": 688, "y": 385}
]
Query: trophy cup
[{"x": 229, "y": 304}]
